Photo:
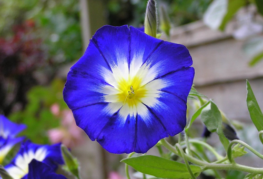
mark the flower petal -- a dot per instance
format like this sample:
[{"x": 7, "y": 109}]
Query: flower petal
[
  {"x": 118, "y": 135},
  {"x": 39, "y": 170},
  {"x": 92, "y": 118},
  {"x": 171, "y": 112},
  {"x": 164, "y": 57},
  {"x": 178, "y": 83},
  {"x": 114, "y": 45},
  {"x": 8, "y": 128},
  {"x": 49, "y": 154},
  {"x": 149, "y": 131}
]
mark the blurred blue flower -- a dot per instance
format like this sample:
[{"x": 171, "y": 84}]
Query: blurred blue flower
[
  {"x": 8, "y": 132},
  {"x": 48, "y": 154},
  {"x": 129, "y": 90},
  {"x": 39, "y": 170}
]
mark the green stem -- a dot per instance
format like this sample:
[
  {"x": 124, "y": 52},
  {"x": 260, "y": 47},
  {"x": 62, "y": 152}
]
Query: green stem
[
  {"x": 204, "y": 154},
  {"x": 215, "y": 166},
  {"x": 144, "y": 176},
  {"x": 180, "y": 150},
  {"x": 195, "y": 154},
  {"x": 179, "y": 138},
  {"x": 234, "y": 167},
  {"x": 160, "y": 150},
  {"x": 222, "y": 160},
  {"x": 229, "y": 150},
  {"x": 189, "y": 158},
  {"x": 127, "y": 166},
  {"x": 211, "y": 149},
  {"x": 188, "y": 144}
]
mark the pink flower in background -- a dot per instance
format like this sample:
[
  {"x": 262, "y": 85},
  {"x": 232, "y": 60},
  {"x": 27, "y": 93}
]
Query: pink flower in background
[
  {"x": 115, "y": 175},
  {"x": 68, "y": 133},
  {"x": 55, "y": 109}
]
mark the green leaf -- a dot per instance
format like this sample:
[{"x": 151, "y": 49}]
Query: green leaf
[
  {"x": 215, "y": 13},
  {"x": 221, "y": 11},
  {"x": 161, "y": 167},
  {"x": 234, "y": 174},
  {"x": 254, "y": 109},
  {"x": 253, "y": 176},
  {"x": 232, "y": 8},
  {"x": 222, "y": 138},
  {"x": 256, "y": 59},
  {"x": 259, "y": 4},
  {"x": 211, "y": 117},
  {"x": 195, "y": 115},
  {"x": 238, "y": 151}
]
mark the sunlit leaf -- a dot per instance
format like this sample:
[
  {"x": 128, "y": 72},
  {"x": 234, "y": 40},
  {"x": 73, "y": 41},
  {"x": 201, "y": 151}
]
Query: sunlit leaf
[
  {"x": 254, "y": 109},
  {"x": 220, "y": 12},
  {"x": 232, "y": 7},
  {"x": 161, "y": 167}
]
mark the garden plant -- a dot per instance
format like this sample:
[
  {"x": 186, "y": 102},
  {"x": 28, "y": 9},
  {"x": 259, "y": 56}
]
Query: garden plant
[{"x": 132, "y": 91}]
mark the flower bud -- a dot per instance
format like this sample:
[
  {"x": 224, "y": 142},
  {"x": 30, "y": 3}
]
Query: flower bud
[
  {"x": 71, "y": 163},
  {"x": 164, "y": 21},
  {"x": 229, "y": 132},
  {"x": 150, "y": 22},
  {"x": 4, "y": 174}
]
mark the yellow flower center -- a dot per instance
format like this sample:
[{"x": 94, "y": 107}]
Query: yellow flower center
[{"x": 131, "y": 91}]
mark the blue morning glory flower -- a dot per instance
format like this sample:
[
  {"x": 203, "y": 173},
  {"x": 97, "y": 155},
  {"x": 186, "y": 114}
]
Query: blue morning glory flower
[
  {"x": 129, "y": 90},
  {"x": 8, "y": 132},
  {"x": 48, "y": 154},
  {"x": 39, "y": 170}
]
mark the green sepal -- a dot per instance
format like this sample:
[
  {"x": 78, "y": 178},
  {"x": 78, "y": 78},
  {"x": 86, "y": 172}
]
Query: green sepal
[{"x": 238, "y": 151}]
